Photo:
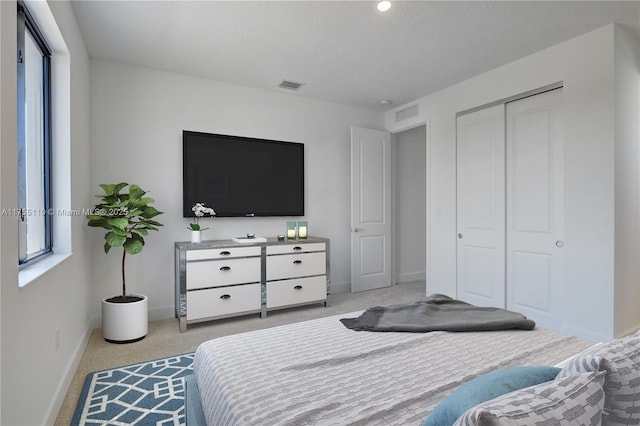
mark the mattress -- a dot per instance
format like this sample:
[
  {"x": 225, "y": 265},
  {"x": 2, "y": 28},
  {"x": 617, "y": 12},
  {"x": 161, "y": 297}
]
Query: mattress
[{"x": 318, "y": 372}]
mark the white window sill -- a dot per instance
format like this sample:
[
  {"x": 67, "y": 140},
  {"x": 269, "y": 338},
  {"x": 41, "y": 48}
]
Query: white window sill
[{"x": 33, "y": 272}]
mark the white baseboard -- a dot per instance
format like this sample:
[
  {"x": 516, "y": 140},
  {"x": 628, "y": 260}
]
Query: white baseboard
[
  {"x": 575, "y": 331},
  {"x": 161, "y": 313},
  {"x": 632, "y": 330},
  {"x": 411, "y": 276},
  {"x": 69, "y": 373},
  {"x": 343, "y": 287}
]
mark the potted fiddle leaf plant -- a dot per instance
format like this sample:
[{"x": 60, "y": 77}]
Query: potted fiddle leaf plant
[{"x": 128, "y": 216}]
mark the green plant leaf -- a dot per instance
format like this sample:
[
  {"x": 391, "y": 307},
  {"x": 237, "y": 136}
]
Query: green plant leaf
[
  {"x": 107, "y": 188},
  {"x": 115, "y": 240},
  {"x": 140, "y": 231},
  {"x": 111, "y": 189},
  {"x": 121, "y": 232},
  {"x": 99, "y": 222},
  {"x": 152, "y": 223},
  {"x": 150, "y": 211},
  {"x": 133, "y": 246},
  {"x": 118, "y": 222},
  {"x": 119, "y": 204},
  {"x": 135, "y": 192},
  {"x": 139, "y": 202},
  {"x": 107, "y": 247}
]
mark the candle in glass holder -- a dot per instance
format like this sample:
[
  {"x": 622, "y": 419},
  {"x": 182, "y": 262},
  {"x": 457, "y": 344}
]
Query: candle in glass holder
[
  {"x": 302, "y": 229},
  {"x": 291, "y": 230}
]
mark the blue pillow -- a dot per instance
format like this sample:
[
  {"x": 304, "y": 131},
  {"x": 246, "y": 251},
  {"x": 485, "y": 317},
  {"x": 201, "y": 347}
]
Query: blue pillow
[{"x": 485, "y": 388}]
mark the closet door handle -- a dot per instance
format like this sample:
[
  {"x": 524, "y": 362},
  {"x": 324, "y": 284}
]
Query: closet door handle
[
  {"x": 225, "y": 297},
  {"x": 297, "y": 262},
  {"x": 225, "y": 268}
]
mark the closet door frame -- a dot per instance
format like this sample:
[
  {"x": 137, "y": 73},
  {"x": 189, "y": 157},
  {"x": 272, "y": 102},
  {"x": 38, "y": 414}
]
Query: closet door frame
[
  {"x": 480, "y": 189},
  {"x": 535, "y": 207},
  {"x": 504, "y": 297}
]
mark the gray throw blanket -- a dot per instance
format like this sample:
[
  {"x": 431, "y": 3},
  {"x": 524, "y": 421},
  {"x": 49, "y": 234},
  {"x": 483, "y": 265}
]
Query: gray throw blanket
[{"x": 437, "y": 313}]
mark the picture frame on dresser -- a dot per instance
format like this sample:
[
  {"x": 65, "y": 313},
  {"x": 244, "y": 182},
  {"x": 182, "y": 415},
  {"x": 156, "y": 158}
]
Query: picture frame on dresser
[{"x": 223, "y": 278}]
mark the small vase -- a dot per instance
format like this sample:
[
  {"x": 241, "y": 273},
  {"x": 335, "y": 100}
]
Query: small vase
[{"x": 196, "y": 237}]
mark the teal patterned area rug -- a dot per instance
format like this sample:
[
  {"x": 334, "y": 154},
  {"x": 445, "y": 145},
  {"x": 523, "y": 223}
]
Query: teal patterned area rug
[{"x": 148, "y": 393}]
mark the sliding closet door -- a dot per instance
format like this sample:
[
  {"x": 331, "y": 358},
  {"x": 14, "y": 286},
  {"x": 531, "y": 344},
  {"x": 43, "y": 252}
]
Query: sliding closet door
[
  {"x": 480, "y": 207},
  {"x": 535, "y": 207}
]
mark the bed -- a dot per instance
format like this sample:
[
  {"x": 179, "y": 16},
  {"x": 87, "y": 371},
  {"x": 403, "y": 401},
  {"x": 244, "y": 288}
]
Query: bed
[{"x": 319, "y": 372}]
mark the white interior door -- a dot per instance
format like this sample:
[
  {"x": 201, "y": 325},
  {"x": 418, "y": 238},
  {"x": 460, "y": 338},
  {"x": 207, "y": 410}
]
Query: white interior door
[
  {"x": 535, "y": 206},
  {"x": 370, "y": 209},
  {"x": 481, "y": 207}
]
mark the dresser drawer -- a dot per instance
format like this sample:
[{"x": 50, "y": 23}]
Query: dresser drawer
[
  {"x": 215, "y": 273},
  {"x": 223, "y": 301},
  {"x": 296, "y": 248},
  {"x": 223, "y": 253},
  {"x": 296, "y": 291},
  {"x": 296, "y": 265}
]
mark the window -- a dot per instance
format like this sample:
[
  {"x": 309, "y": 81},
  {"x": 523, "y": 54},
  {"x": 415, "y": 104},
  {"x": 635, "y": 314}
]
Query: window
[{"x": 34, "y": 210}]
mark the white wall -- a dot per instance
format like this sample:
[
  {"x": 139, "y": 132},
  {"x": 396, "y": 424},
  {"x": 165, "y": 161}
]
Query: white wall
[
  {"x": 586, "y": 68},
  {"x": 627, "y": 192},
  {"x": 36, "y": 374},
  {"x": 7, "y": 132},
  {"x": 410, "y": 203},
  {"x": 137, "y": 120}
]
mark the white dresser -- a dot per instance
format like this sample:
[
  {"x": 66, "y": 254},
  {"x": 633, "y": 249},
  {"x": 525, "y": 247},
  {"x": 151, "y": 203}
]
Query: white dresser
[{"x": 219, "y": 279}]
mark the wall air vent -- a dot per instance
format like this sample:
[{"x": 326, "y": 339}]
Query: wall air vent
[
  {"x": 406, "y": 113},
  {"x": 291, "y": 85}
]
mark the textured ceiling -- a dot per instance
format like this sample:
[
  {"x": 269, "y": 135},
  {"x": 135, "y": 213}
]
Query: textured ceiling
[{"x": 344, "y": 51}]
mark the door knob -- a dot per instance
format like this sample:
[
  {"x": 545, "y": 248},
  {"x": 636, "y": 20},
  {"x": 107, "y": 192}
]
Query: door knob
[
  {"x": 357, "y": 229},
  {"x": 460, "y": 236},
  {"x": 559, "y": 243}
]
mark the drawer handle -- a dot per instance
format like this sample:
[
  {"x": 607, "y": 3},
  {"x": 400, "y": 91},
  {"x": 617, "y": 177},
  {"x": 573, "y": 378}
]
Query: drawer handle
[
  {"x": 297, "y": 262},
  {"x": 225, "y": 297},
  {"x": 225, "y": 253},
  {"x": 225, "y": 268},
  {"x": 297, "y": 248},
  {"x": 298, "y": 287}
]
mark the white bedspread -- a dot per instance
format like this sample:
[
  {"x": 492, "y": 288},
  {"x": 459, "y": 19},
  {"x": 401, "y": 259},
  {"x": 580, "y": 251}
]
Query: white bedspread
[{"x": 319, "y": 372}]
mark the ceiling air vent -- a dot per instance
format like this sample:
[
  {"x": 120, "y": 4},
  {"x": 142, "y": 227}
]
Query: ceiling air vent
[
  {"x": 406, "y": 113},
  {"x": 291, "y": 85}
]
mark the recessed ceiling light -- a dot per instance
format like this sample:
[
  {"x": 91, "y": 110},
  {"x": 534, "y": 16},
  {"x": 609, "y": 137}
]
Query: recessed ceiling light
[{"x": 384, "y": 5}]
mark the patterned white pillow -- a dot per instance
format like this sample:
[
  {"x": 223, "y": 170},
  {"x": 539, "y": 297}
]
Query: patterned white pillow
[
  {"x": 575, "y": 400},
  {"x": 620, "y": 359}
]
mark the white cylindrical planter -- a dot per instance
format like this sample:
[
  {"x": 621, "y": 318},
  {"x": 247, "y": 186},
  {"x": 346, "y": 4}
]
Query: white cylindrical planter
[
  {"x": 125, "y": 322},
  {"x": 196, "y": 237}
]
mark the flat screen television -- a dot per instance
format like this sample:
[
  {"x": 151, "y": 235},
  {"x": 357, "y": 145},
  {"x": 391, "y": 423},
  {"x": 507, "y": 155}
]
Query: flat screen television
[{"x": 241, "y": 176}]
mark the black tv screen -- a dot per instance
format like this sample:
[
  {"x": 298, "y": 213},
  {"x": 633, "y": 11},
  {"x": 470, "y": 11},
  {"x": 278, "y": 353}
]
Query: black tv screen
[{"x": 239, "y": 176}]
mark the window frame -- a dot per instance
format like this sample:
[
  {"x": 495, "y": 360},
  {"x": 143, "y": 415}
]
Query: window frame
[{"x": 26, "y": 23}]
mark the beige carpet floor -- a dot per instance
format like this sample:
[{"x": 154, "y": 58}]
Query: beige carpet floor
[{"x": 164, "y": 337}]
